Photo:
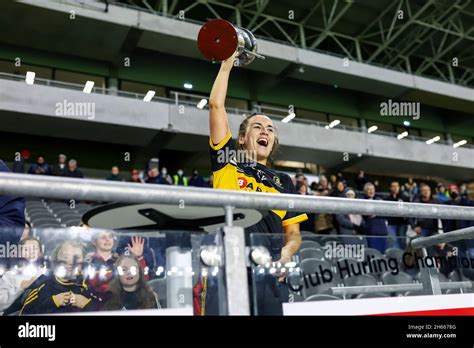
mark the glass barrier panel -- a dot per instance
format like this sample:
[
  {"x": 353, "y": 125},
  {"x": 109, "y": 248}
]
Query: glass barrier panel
[
  {"x": 326, "y": 264},
  {"x": 82, "y": 269}
]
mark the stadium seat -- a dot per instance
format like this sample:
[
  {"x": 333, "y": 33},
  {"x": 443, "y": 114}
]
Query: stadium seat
[
  {"x": 374, "y": 295},
  {"x": 330, "y": 239},
  {"x": 313, "y": 238},
  {"x": 415, "y": 293},
  {"x": 322, "y": 297},
  {"x": 400, "y": 278},
  {"x": 311, "y": 253},
  {"x": 40, "y": 215},
  {"x": 311, "y": 269},
  {"x": 309, "y": 244},
  {"x": 394, "y": 253},
  {"x": 457, "y": 276},
  {"x": 42, "y": 221},
  {"x": 361, "y": 280},
  {"x": 37, "y": 211},
  {"x": 372, "y": 252}
]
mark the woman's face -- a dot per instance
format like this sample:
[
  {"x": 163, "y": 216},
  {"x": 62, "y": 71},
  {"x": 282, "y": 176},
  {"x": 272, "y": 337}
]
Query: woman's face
[
  {"x": 259, "y": 137},
  {"x": 129, "y": 272},
  {"x": 340, "y": 186}
]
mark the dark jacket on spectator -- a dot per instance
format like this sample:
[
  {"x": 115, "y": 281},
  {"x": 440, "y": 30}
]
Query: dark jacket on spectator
[
  {"x": 19, "y": 166},
  {"x": 197, "y": 181},
  {"x": 346, "y": 227},
  {"x": 58, "y": 171},
  {"x": 75, "y": 174},
  {"x": 429, "y": 224},
  {"x": 393, "y": 220},
  {"x": 39, "y": 299},
  {"x": 46, "y": 169},
  {"x": 12, "y": 215},
  {"x": 374, "y": 225},
  {"x": 103, "y": 272},
  {"x": 157, "y": 180}
]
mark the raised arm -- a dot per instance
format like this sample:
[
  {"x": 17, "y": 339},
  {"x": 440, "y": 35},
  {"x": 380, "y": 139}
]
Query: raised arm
[{"x": 218, "y": 122}]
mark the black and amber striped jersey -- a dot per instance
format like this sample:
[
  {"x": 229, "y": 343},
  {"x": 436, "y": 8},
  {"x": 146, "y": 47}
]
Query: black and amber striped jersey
[{"x": 232, "y": 172}]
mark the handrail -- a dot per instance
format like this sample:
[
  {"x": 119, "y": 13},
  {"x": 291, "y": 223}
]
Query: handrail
[
  {"x": 453, "y": 236},
  {"x": 100, "y": 190}
]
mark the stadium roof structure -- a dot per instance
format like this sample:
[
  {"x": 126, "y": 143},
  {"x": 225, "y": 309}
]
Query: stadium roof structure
[{"x": 431, "y": 38}]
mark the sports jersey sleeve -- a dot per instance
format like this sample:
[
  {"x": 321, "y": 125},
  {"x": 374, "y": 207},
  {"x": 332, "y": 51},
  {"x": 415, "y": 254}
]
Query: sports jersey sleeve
[
  {"x": 221, "y": 152},
  {"x": 292, "y": 217}
]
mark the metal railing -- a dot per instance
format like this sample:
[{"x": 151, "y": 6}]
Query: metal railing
[{"x": 100, "y": 190}]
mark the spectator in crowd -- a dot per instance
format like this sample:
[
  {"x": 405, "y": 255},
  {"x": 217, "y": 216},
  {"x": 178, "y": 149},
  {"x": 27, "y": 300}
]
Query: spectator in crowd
[
  {"x": 12, "y": 215},
  {"x": 19, "y": 163},
  {"x": 324, "y": 222},
  {"x": 425, "y": 226},
  {"x": 443, "y": 251},
  {"x": 339, "y": 189},
  {"x": 306, "y": 183},
  {"x": 72, "y": 171},
  {"x": 376, "y": 184},
  {"x": 454, "y": 199},
  {"x": 101, "y": 263},
  {"x": 136, "y": 176},
  {"x": 40, "y": 167},
  {"x": 412, "y": 189},
  {"x": 310, "y": 224},
  {"x": 179, "y": 179},
  {"x": 361, "y": 180},
  {"x": 350, "y": 225},
  {"x": 397, "y": 226},
  {"x": 441, "y": 194},
  {"x": 63, "y": 290},
  {"x": 130, "y": 290},
  {"x": 299, "y": 178},
  {"x": 323, "y": 188},
  {"x": 454, "y": 193},
  {"x": 196, "y": 180},
  {"x": 137, "y": 247},
  {"x": 60, "y": 167},
  {"x": 154, "y": 177},
  {"x": 332, "y": 182},
  {"x": 374, "y": 226},
  {"x": 301, "y": 188},
  {"x": 114, "y": 174},
  {"x": 166, "y": 175},
  {"x": 27, "y": 269}
]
